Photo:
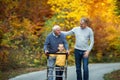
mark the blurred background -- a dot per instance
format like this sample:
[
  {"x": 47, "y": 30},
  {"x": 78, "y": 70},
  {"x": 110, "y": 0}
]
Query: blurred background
[{"x": 24, "y": 25}]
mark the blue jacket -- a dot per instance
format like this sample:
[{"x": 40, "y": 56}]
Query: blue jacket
[{"x": 52, "y": 42}]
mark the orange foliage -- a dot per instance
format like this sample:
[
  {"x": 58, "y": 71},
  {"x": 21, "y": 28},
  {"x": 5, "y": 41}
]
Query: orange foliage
[
  {"x": 100, "y": 12},
  {"x": 21, "y": 22}
]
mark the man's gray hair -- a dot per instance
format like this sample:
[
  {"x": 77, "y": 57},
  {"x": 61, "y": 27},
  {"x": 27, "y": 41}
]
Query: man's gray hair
[
  {"x": 56, "y": 27},
  {"x": 84, "y": 20}
]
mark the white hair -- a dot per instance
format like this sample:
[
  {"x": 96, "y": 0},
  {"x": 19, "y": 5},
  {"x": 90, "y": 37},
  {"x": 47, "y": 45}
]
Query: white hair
[{"x": 56, "y": 27}]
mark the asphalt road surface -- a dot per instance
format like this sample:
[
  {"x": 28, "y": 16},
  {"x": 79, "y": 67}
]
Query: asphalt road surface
[{"x": 96, "y": 72}]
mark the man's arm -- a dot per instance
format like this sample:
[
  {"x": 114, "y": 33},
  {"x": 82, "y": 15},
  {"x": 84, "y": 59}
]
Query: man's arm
[
  {"x": 66, "y": 45},
  {"x": 91, "y": 40},
  {"x": 46, "y": 45},
  {"x": 91, "y": 44},
  {"x": 66, "y": 33}
]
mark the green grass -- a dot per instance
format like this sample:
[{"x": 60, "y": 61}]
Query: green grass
[{"x": 115, "y": 75}]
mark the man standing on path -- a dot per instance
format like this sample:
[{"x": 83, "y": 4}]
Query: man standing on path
[
  {"x": 51, "y": 46},
  {"x": 84, "y": 43}
]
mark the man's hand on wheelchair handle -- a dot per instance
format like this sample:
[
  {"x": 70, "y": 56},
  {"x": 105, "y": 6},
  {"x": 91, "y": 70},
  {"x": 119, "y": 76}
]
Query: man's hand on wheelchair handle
[
  {"x": 67, "y": 52},
  {"x": 46, "y": 52}
]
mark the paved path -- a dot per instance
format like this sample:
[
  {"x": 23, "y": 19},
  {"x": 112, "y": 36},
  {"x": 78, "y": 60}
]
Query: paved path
[{"x": 97, "y": 72}]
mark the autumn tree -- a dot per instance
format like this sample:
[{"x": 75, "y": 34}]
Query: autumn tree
[
  {"x": 100, "y": 12},
  {"x": 22, "y": 26}
]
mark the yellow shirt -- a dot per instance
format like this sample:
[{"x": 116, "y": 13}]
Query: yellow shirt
[
  {"x": 60, "y": 59},
  {"x": 52, "y": 55}
]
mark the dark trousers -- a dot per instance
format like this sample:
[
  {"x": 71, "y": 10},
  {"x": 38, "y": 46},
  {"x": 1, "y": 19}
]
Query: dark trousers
[
  {"x": 78, "y": 58},
  {"x": 59, "y": 73}
]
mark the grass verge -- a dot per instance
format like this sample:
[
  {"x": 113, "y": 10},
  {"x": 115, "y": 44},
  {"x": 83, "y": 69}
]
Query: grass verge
[{"x": 115, "y": 75}]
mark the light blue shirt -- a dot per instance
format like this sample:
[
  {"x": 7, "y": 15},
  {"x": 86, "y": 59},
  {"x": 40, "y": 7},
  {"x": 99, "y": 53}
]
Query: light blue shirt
[{"x": 84, "y": 37}]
